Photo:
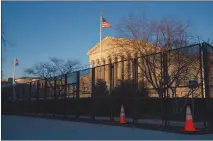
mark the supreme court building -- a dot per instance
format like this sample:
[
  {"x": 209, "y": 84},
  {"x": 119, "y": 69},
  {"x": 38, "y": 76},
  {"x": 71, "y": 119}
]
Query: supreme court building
[{"x": 120, "y": 52}]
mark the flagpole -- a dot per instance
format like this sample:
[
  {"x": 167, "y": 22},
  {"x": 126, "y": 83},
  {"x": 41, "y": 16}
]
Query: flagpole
[
  {"x": 100, "y": 43},
  {"x": 14, "y": 70},
  {"x": 101, "y": 37}
]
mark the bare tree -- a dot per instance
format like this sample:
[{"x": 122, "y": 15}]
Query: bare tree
[
  {"x": 145, "y": 37},
  {"x": 3, "y": 40},
  {"x": 85, "y": 84},
  {"x": 210, "y": 69},
  {"x": 55, "y": 70}
]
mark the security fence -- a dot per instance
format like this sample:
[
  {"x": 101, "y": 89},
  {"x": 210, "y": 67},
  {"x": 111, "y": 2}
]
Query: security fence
[{"x": 155, "y": 86}]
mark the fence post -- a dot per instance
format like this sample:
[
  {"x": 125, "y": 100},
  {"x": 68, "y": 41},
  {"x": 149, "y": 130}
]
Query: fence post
[
  {"x": 65, "y": 96},
  {"x": 93, "y": 81},
  {"x": 165, "y": 88},
  {"x": 201, "y": 68},
  {"x": 30, "y": 91},
  {"x": 135, "y": 73},
  {"x": 37, "y": 92},
  {"x": 78, "y": 84},
  {"x": 23, "y": 94},
  {"x": 111, "y": 75},
  {"x": 201, "y": 75},
  {"x": 162, "y": 88},
  {"x": 205, "y": 66},
  {"x": 135, "y": 86},
  {"x": 92, "y": 93},
  {"x": 45, "y": 89},
  {"x": 77, "y": 93},
  {"x": 55, "y": 87},
  {"x": 65, "y": 83},
  {"x": 37, "y": 96}
]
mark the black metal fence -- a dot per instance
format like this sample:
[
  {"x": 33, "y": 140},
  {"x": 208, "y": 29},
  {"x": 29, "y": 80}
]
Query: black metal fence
[{"x": 154, "y": 86}]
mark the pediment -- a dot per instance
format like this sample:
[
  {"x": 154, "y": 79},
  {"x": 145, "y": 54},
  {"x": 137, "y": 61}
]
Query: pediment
[
  {"x": 110, "y": 44},
  {"x": 105, "y": 46}
]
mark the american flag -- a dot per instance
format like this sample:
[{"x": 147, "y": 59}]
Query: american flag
[
  {"x": 105, "y": 24},
  {"x": 16, "y": 62}
]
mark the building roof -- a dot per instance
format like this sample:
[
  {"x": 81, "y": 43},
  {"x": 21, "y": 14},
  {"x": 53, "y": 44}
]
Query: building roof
[
  {"x": 98, "y": 44},
  {"x": 27, "y": 78},
  {"x": 115, "y": 39}
]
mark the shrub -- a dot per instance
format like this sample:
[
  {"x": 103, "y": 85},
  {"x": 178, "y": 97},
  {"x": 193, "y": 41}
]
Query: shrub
[
  {"x": 126, "y": 89},
  {"x": 100, "y": 89}
]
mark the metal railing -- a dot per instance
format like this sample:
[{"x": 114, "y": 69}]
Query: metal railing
[{"x": 154, "y": 86}]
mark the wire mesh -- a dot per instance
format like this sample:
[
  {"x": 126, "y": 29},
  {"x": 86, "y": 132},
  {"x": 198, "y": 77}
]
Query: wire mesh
[
  {"x": 85, "y": 83},
  {"x": 71, "y": 85},
  {"x": 183, "y": 65},
  {"x": 210, "y": 69}
]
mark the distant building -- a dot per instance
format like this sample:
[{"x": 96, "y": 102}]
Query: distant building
[
  {"x": 8, "y": 80},
  {"x": 22, "y": 80},
  {"x": 22, "y": 87}
]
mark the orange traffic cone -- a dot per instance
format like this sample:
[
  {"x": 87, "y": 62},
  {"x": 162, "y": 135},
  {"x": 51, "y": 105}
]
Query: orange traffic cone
[
  {"x": 122, "y": 115},
  {"x": 189, "y": 124}
]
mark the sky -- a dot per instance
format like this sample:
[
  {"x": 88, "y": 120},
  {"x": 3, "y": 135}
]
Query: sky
[{"x": 68, "y": 30}]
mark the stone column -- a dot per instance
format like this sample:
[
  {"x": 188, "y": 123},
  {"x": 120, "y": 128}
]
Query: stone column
[
  {"x": 107, "y": 72},
  {"x": 92, "y": 77},
  {"x": 99, "y": 69},
  {"x": 130, "y": 67},
  {"x": 119, "y": 69},
  {"x": 92, "y": 65},
  {"x": 126, "y": 68},
  {"x": 135, "y": 69},
  {"x": 140, "y": 72},
  {"x": 115, "y": 71},
  {"x": 96, "y": 70},
  {"x": 103, "y": 70}
]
